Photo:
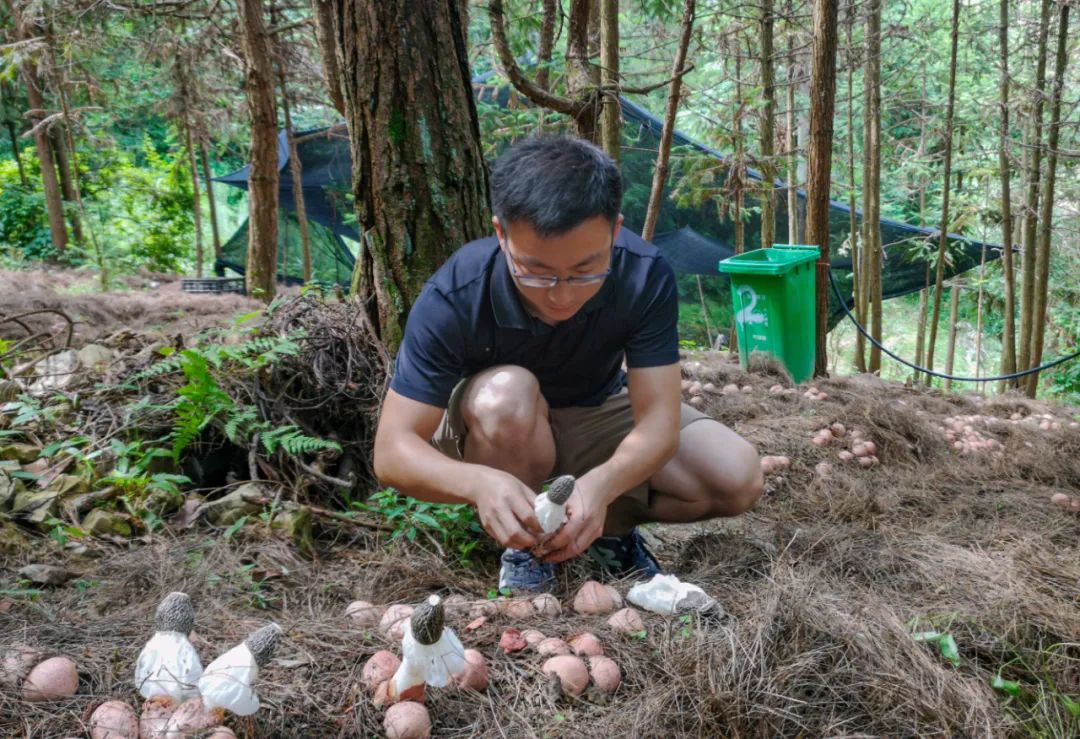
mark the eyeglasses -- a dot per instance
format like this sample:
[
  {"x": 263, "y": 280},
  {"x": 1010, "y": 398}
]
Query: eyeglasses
[{"x": 549, "y": 281}]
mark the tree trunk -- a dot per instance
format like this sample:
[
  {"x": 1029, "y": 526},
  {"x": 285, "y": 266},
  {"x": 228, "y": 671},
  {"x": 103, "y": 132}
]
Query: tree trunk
[
  {"x": 1031, "y": 203},
  {"x": 611, "y": 122},
  {"x": 946, "y": 187},
  {"x": 663, "y": 154},
  {"x": 979, "y": 313},
  {"x": 297, "y": 182},
  {"x": 323, "y": 13},
  {"x": 768, "y": 127},
  {"x": 196, "y": 205},
  {"x": 419, "y": 177},
  {"x": 263, "y": 180},
  {"x": 208, "y": 176},
  {"x": 1046, "y": 203},
  {"x": 954, "y": 313},
  {"x": 819, "y": 175},
  {"x": 792, "y": 164},
  {"x": 15, "y": 153},
  {"x": 920, "y": 331},
  {"x": 873, "y": 176},
  {"x": 67, "y": 185},
  {"x": 50, "y": 185},
  {"x": 858, "y": 253},
  {"x": 1008, "y": 332},
  {"x": 547, "y": 42}
]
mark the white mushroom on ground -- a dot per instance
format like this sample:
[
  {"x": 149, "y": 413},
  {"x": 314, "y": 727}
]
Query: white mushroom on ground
[
  {"x": 550, "y": 506},
  {"x": 430, "y": 653},
  {"x": 229, "y": 681},
  {"x": 168, "y": 668}
]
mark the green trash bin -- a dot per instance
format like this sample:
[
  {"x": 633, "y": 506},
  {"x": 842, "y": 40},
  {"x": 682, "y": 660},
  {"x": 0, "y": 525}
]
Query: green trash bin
[{"x": 772, "y": 291}]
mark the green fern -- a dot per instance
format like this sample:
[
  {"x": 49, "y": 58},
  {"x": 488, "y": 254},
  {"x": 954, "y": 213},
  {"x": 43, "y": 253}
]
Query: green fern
[
  {"x": 201, "y": 401},
  {"x": 292, "y": 440}
]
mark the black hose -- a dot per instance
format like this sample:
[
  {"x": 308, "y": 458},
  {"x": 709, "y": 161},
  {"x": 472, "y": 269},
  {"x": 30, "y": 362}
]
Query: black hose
[{"x": 1012, "y": 376}]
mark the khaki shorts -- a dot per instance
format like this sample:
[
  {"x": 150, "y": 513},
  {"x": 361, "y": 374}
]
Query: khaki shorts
[{"x": 585, "y": 437}]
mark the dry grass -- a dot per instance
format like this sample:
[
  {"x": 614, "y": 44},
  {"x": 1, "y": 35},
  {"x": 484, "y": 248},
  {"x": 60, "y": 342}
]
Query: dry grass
[{"x": 823, "y": 582}]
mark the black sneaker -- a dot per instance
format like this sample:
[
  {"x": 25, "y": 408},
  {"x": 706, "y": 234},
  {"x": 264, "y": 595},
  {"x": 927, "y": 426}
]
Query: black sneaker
[
  {"x": 522, "y": 571},
  {"x": 621, "y": 556}
]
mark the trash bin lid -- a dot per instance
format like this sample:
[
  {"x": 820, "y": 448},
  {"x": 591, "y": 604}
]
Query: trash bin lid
[{"x": 778, "y": 260}]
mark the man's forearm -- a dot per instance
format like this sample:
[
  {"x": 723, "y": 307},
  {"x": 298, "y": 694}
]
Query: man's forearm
[{"x": 415, "y": 468}]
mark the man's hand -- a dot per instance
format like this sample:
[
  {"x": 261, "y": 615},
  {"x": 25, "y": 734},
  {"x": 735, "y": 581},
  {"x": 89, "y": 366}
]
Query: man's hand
[
  {"x": 585, "y": 514},
  {"x": 505, "y": 505}
]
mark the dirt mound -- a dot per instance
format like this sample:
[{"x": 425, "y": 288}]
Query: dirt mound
[
  {"x": 151, "y": 303},
  {"x": 826, "y": 585}
]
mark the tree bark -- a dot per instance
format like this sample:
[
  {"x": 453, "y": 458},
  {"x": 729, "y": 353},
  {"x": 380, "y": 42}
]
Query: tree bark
[
  {"x": 54, "y": 206},
  {"x": 1008, "y": 332},
  {"x": 1046, "y": 203},
  {"x": 792, "y": 166},
  {"x": 67, "y": 184},
  {"x": 547, "y": 43},
  {"x": 419, "y": 178},
  {"x": 946, "y": 187},
  {"x": 1031, "y": 203},
  {"x": 767, "y": 129},
  {"x": 858, "y": 253},
  {"x": 819, "y": 175},
  {"x": 323, "y": 13},
  {"x": 196, "y": 205},
  {"x": 263, "y": 180},
  {"x": 208, "y": 177},
  {"x": 873, "y": 185},
  {"x": 611, "y": 121},
  {"x": 297, "y": 182},
  {"x": 663, "y": 154}
]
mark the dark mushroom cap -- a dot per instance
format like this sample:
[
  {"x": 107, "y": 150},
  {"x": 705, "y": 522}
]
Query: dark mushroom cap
[
  {"x": 263, "y": 642},
  {"x": 427, "y": 621},
  {"x": 175, "y": 613},
  {"x": 559, "y": 491}
]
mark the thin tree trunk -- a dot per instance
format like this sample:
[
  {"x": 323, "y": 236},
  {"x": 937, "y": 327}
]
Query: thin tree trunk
[
  {"x": 196, "y": 205},
  {"x": 414, "y": 129},
  {"x": 792, "y": 165},
  {"x": 1031, "y": 203},
  {"x": 873, "y": 144},
  {"x": 704, "y": 312},
  {"x": 1046, "y": 203},
  {"x": 547, "y": 43},
  {"x": 768, "y": 127},
  {"x": 854, "y": 242},
  {"x": 16, "y": 154},
  {"x": 822, "y": 106},
  {"x": 54, "y": 205},
  {"x": 67, "y": 186},
  {"x": 611, "y": 119},
  {"x": 297, "y": 182},
  {"x": 979, "y": 314},
  {"x": 208, "y": 177},
  {"x": 920, "y": 331},
  {"x": 322, "y": 12},
  {"x": 740, "y": 232},
  {"x": 663, "y": 154},
  {"x": 263, "y": 180},
  {"x": 946, "y": 187},
  {"x": 1008, "y": 332},
  {"x": 954, "y": 313}
]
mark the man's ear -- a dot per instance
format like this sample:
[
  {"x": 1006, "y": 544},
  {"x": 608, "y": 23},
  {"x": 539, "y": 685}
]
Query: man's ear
[
  {"x": 618, "y": 225},
  {"x": 498, "y": 229}
]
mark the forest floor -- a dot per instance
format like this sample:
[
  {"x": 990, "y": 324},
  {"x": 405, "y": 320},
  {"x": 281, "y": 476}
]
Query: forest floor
[{"x": 843, "y": 590}]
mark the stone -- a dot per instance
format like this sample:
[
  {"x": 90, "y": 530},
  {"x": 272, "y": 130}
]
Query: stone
[
  {"x": 246, "y": 500},
  {"x": 101, "y": 522},
  {"x": 41, "y": 574},
  {"x": 9, "y": 487},
  {"x": 21, "y": 453},
  {"x": 95, "y": 357},
  {"x": 12, "y": 540},
  {"x": 35, "y": 507}
]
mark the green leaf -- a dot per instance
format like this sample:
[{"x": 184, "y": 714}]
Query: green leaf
[
  {"x": 927, "y": 636},
  {"x": 237, "y": 525},
  {"x": 1071, "y": 705},
  {"x": 247, "y": 317},
  {"x": 427, "y": 520}
]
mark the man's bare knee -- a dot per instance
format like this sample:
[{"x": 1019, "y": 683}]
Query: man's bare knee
[
  {"x": 744, "y": 483},
  {"x": 506, "y": 414}
]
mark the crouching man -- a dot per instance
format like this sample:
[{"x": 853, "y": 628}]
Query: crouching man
[{"x": 511, "y": 373}]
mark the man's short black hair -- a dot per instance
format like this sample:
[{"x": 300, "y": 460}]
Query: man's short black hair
[{"x": 554, "y": 184}]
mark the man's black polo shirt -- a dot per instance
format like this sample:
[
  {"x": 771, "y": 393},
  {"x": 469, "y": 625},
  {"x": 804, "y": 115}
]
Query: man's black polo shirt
[{"x": 469, "y": 317}]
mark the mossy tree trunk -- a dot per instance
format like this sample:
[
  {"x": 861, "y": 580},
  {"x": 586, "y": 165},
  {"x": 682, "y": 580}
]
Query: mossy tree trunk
[{"x": 419, "y": 178}]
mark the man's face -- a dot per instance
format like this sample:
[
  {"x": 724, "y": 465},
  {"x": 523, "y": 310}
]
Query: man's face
[{"x": 581, "y": 252}]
